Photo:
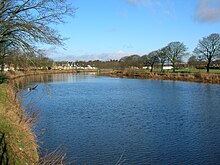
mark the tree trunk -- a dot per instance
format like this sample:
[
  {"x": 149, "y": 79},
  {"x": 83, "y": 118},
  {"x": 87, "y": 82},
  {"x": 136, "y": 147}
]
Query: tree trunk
[
  {"x": 152, "y": 66},
  {"x": 162, "y": 64},
  {"x": 2, "y": 63},
  {"x": 207, "y": 67},
  {"x": 174, "y": 67}
]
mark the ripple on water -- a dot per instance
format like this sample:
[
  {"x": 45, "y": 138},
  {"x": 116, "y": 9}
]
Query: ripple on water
[{"x": 150, "y": 122}]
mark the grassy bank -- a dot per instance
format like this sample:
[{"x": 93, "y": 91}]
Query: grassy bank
[
  {"x": 187, "y": 70},
  {"x": 203, "y": 77},
  {"x": 17, "y": 74},
  {"x": 215, "y": 71},
  {"x": 17, "y": 142},
  {"x": 193, "y": 75}
]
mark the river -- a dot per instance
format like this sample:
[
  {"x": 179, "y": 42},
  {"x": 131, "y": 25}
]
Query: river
[{"x": 102, "y": 120}]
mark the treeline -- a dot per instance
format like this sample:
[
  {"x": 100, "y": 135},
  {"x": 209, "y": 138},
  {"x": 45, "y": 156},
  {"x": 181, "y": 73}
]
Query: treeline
[
  {"x": 19, "y": 60},
  {"x": 205, "y": 55},
  {"x": 24, "y": 24},
  {"x": 110, "y": 64},
  {"x": 172, "y": 53}
]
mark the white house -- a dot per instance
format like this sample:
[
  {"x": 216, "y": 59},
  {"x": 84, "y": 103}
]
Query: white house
[{"x": 167, "y": 67}]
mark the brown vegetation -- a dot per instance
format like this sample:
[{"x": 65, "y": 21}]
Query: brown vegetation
[
  {"x": 192, "y": 77},
  {"x": 17, "y": 74},
  {"x": 18, "y": 143}
]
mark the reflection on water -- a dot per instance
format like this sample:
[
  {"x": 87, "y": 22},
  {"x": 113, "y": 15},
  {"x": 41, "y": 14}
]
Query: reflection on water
[
  {"x": 24, "y": 81},
  {"x": 150, "y": 122}
]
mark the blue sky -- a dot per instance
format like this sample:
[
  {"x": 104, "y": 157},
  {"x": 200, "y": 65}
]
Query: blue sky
[{"x": 111, "y": 29}]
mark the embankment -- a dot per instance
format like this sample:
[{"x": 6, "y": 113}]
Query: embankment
[
  {"x": 17, "y": 142},
  {"x": 191, "y": 77},
  {"x": 14, "y": 75}
]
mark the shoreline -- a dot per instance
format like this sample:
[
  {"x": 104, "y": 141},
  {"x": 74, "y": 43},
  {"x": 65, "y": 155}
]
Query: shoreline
[
  {"x": 18, "y": 74},
  {"x": 210, "y": 78},
  {"x": 13, "y": 107},
  {"x": 9, "y": 104},
  {"x": 18, "y": 144},
  {"x": 199, "y": 77}
]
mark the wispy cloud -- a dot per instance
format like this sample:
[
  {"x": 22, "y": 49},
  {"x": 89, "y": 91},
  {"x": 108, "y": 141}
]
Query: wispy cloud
[
  {"x": 128, "y": 46},
  {"x": 87, "y": 57},
  {"x": 208, "y": 11},
  {"x": 138, "y": 2},
  {"x": 164, "y": 7}
]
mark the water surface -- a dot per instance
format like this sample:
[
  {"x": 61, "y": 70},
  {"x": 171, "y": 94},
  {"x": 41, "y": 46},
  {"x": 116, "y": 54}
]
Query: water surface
[{"x": 98, "y": 119}]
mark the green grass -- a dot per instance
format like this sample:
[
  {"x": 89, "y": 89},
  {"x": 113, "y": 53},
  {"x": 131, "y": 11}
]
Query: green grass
[
  {"x": 198, "y": 71},
  {"x": 216, "y": 71},
  {"x": 20, "y": 143},
  {"x": 2, "y": 93}
]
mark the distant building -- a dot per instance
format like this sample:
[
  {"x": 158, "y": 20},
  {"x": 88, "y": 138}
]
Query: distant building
[
  {"x": 167, "y": 67},
  {"x": 70, "y": 66},
  {"x": 88, "y": 67}
]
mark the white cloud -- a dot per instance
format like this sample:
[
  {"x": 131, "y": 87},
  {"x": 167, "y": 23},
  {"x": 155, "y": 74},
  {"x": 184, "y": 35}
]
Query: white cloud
[{"x": 208, "y": 11}]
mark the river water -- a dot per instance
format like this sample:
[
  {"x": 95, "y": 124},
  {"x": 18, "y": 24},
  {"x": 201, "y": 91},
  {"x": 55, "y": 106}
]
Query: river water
[{"x": 102, "y": 120}]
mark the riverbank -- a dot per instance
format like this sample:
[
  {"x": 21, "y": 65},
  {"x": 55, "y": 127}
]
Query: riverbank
[
  {"x": 190, "y": 77},
  {"x": 213, "y": 78},
  {"x": 17, "y": 142},
  {"x": 18, "y": 74}
]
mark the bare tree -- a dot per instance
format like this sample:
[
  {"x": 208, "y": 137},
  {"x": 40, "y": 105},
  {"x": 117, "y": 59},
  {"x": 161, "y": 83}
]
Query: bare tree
[
  {"x": 162, "y": 55},
  {"x": 23, "y": 23},
  {"x": 209, "y": 48},
  {"x": 130, "y": 61},
  {"x": 192, "y": 61},
  {"x": 176, "y": 50},
  {"x": 152, "y": 59},
  {"x": 2, "y": 55}
]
